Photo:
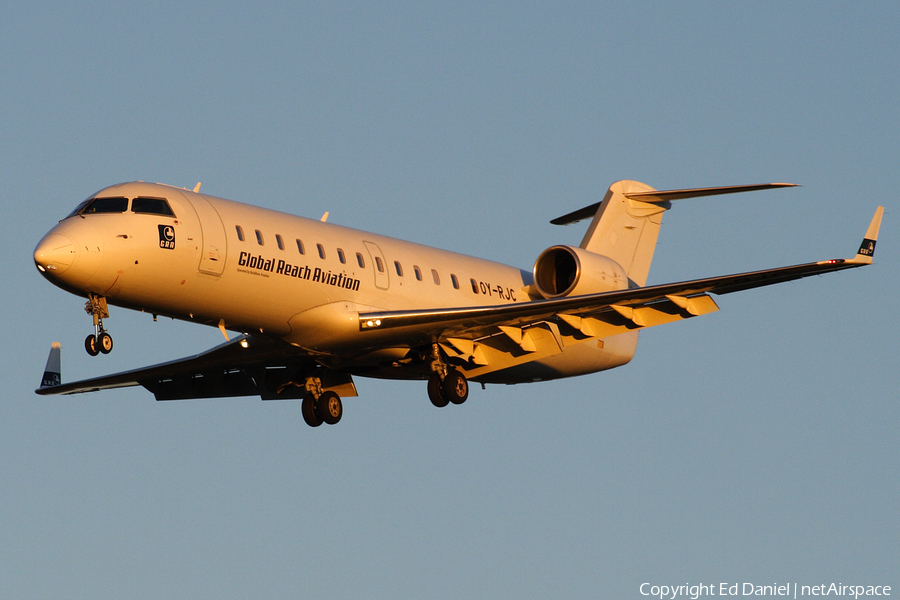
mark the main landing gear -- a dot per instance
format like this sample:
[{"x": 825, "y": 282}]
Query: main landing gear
[
  {"x": 320, "y": 406},
  {"x": 100, "y": 340},
  {"x": 445, "y": 385}
]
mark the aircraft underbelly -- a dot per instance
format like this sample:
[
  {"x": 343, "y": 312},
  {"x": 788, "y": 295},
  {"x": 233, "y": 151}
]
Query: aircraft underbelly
[{"x": 580, "y": 359}]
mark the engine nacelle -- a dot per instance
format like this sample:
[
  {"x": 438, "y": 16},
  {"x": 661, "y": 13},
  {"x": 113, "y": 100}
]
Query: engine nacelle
[{"x": 570, "y": 271}]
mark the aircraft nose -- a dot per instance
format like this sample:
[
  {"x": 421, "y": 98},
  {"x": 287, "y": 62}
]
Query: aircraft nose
[{"x": 54, "y": 254}]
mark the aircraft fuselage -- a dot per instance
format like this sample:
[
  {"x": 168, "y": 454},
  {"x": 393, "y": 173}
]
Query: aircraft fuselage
[{"x": 251, "y": 269}]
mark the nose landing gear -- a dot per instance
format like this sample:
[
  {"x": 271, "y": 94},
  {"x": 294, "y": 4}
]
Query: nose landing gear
[
  {"x": 100, "y": 340},
  {"x": 95, "y": 344}
]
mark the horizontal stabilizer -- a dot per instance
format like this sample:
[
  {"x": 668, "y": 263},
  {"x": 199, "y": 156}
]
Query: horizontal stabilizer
[{"x": 666, "y": 195}]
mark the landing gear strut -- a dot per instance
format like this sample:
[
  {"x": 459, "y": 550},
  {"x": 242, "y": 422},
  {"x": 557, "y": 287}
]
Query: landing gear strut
[
  {"x": 445, "y": 385},
  {"x": 100, "y": 340},
  {"x": 320, "y": 406}
]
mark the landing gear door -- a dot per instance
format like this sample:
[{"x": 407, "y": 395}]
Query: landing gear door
[
  {"x": 382, "y": 278},
  {"x": 213, "y": 246}
]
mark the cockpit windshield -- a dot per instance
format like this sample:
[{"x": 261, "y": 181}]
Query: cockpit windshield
[
  {"x": 93, "y": 206},
  {"x": 78, "y": 208},
  {"x": 152, "y": 206},
  {"x": 119, "y": 204},
  {"x": 106, "y": 205}
]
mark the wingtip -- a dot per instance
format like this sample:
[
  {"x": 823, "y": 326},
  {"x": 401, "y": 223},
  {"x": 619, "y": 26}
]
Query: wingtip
[
  {"x": 52, "y": 372},
  {"x": 875, "y": 225},
  {"x": 866, "y": 251}
]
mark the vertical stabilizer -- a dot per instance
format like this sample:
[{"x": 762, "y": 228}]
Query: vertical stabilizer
[{"x": 626, "y": 230}]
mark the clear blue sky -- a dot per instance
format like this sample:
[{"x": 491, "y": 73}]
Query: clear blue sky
[{"x": 758, "y": 444}]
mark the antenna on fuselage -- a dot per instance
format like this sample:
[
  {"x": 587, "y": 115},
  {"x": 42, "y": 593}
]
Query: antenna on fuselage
[
  {"x": 197, "y": 188},
  {"x": 324, "y": 217}
]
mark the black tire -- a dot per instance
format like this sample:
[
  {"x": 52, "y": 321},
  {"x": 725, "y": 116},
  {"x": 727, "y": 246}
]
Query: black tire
[
  {"x": 329, "y": 408},
  {"x": 308, "y": 408},
  {"x": 434, "y": 391},
  {"x": 105, "y": 343},
  {"x": 455, "y": 387},
  {"x": 91, "y": 345}
]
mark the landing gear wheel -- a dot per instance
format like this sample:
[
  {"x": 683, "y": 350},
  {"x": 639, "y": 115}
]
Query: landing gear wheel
[
  {"x": 91, "y": 345},
  {"x": 455, "y": 387},
  {"x": 329, "y": 408},
  {"x": 101, "y": 341},
  {"x": 308, "y": 408},
  {"x": 434, "y": 391},
  {"x": 105, "y": 343}
]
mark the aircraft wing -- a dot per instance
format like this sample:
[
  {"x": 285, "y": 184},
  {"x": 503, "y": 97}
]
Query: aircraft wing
[
  {"x": 244, "y": 366},
  {"x": 480, "y": 336},
  {"x": 480, "y": 339}
]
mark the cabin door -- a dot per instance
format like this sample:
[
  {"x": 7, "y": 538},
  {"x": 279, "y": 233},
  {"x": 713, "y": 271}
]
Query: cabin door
[
  {"x": 382, "y": 278},
  {"x": 213, "y": 246}
]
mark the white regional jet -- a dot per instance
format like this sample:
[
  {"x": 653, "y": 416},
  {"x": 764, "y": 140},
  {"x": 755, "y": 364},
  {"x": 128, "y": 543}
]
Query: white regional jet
[{"x": 318, "y": 303}]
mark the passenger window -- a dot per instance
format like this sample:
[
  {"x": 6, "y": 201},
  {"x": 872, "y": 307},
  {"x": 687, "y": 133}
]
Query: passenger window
[
  {"x": 279, "y": 241},
  {"x": 341, "y": 256},
  {"x": 300, "y": 247},
  {"x": 360, "y": 260},
  {"x": 259, "y": 238},
  {"x": 474, "y": 285},
  {"x": 240, "y": 232},
  {"x": 455, "y": 281},
  {"x": 105, "y": 205},
  {"x": 436, "y": 277},
  {"x": 152, "y": 206},
  {"x": 321, "y": 251},
  {"x": 418, "y": 272},
  {"x": 379, "y": 264},
  {"x": 399, "y": 268}
]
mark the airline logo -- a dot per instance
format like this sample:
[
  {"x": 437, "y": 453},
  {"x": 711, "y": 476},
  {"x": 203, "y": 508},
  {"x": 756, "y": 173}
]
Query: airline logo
[
  {"x": 867, "y": 248},
  {"x": 167, "y": 237},
  {"x": 50, "y": 379}
]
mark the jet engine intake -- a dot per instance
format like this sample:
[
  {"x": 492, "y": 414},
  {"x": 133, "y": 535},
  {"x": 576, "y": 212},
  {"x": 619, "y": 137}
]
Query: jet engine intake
[{"x": 569, "y": 271}]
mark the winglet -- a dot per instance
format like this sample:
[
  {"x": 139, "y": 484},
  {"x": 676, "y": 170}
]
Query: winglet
[
  {"x": 52, "y": 373},
  {"x": 867, "y": 248}
]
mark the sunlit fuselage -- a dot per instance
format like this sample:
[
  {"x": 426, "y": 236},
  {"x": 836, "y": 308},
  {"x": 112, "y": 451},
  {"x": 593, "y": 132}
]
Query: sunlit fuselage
[{"x": 299, "y": 279}]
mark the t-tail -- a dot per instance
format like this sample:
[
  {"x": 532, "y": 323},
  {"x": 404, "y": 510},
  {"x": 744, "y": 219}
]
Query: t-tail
[{"x": 626, "y": 222}]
